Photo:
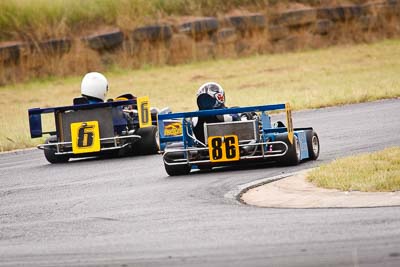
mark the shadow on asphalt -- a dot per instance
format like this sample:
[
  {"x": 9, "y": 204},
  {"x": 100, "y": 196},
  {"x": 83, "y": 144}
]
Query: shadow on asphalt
[{"x": 245, "y": 166}]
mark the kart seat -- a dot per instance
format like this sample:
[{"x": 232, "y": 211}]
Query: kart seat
[
  {"x": 126, "y": 97},
  {"x": 80, "y": 101}
]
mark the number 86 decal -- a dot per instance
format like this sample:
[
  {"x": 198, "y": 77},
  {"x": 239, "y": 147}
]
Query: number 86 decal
[{"x": 223, "y": 148}]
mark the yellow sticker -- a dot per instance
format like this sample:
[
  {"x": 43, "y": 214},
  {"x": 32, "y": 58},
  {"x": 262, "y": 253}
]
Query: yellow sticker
[
  {"x": 144, "y": 111},
  {"x": 289, "y": 122},
  {"x": 85, "y": 137},
  {"x": 172, "y": 128},
  {"x": 223, "y": 148},
  {"x": 121, "y": 99}
]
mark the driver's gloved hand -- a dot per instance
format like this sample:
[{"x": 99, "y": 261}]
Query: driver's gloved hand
[
  {"x": 247, "y": 116},
  {"x": 279, "y": 124}
]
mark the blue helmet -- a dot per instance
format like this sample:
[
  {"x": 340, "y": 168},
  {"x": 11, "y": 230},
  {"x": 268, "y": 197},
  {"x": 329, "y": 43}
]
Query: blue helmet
[{"x": 210, "y": 96}]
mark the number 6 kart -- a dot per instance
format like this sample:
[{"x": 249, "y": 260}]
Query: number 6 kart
[
  {"x": 125, "y": 126},
  {"x": 249, "y": 140}
]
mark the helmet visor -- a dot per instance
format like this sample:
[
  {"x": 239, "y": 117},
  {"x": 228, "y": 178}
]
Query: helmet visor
[{"x": 205, "y": 101}]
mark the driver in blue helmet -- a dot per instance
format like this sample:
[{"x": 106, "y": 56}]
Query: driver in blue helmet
[{"x": 210, "y": 95}]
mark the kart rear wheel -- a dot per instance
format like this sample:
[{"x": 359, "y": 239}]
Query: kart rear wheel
[
  {"x": 174, "y": 170},
  {"x": 293, "y": 155},
  {"x": 50, "y": 152},
  {"x": 149, "y": 143},
  {"x": 312, "y": 144}
]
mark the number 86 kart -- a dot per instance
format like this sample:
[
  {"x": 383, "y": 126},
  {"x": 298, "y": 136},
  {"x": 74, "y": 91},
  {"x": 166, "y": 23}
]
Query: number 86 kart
[{"x": 252, "y": 139}]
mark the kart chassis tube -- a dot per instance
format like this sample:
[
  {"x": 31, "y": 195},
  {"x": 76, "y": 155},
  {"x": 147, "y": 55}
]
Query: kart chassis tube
[
  {"x": 263, "y": 156},
  {"x": 220, "y": 111}
]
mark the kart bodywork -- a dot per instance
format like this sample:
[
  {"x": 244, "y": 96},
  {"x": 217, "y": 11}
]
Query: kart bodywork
[
  {"x": 117, "y": 128},
  {"x": 253, "y": 139}
]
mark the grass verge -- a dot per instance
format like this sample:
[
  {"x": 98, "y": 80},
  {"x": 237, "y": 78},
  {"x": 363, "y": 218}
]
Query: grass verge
[
  {"x": 50, "y": 18},
  {"x": 310, "y": 79},
  {"x": 56, "y": 17},
  {"x": 375, "y": 172}
]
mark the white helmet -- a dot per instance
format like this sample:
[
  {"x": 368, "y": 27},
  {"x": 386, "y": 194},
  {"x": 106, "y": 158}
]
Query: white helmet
[{"x": 94, "y": 85}]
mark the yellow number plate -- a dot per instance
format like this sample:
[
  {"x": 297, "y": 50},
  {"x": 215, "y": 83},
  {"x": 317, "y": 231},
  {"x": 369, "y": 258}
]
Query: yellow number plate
[
  {"x": 144, "y": 111},
  {"x": 223, "y": 148},
  {"x": 172, "y": 128},
  {"x": 289, "y": 122},
  {"x": 85, "y": 137}
]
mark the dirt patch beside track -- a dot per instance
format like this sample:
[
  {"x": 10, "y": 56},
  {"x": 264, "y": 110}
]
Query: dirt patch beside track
[{"x": 296, "y": 192}]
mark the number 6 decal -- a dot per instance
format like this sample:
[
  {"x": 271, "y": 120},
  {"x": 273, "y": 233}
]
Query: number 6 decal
[
  {"x": 144, "y": 111},
  {"x": 223, "y": 148},
  {"x": 85, "y": 137}
]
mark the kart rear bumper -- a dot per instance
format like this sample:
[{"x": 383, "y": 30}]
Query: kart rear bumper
[
  {"x": 191, "y": 155},
  {"x": 107, "y": 144}
]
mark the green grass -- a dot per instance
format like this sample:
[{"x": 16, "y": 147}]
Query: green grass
[
  {"x": 311, "y": 79},
  {"x": 375, "y": 172}
]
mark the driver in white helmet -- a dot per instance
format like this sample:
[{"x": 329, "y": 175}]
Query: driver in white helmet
[
  {"x": 210, "y": 95},
  {"x": 94, "y": 87}
]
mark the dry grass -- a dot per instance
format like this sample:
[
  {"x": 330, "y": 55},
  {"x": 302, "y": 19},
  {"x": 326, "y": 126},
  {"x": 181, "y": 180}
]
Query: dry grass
[
  {"x": 49, "y": 18},
  {"x": 312, "y": 79},
  {"x": 34, "y": 20},
  {"x": 375, "y": 172}
]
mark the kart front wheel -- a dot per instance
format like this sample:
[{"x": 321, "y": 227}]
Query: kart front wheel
[
  {"x": 312, "y": 144},
  {"x": 50, "y": 152},
  {"x": 174, "y": 170}
]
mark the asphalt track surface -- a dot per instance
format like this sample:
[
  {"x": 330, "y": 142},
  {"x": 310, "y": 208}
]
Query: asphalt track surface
[{"x": 128, "y": 212}]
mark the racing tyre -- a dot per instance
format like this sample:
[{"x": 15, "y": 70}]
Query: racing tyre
[
  {"x": 293, "y": 155},
  {"x": 248, "y": 22},
  {"x": 312, "y": 144},
  {"x": 50, "y": 152},
  {"x": 152, "y": 33},
  {"x": 11, "y": 52},
  {"x": 105, "y": 41},
  {"x": 174, "y": 170},
  {"x": 148, "y": 144},
  {"x": 200, "y": 26}
]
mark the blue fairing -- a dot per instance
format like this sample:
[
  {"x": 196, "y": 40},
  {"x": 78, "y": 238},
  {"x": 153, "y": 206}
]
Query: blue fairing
[{"x": 301, "y": 135}]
